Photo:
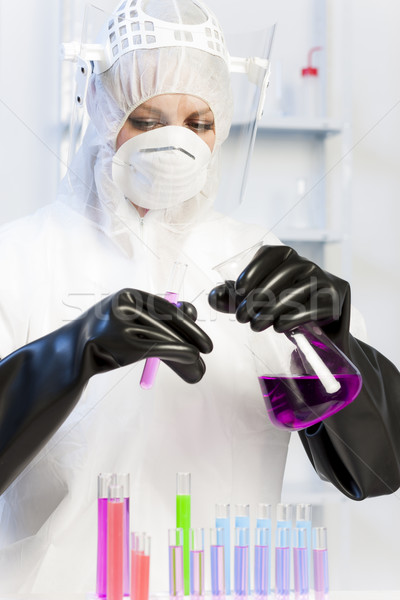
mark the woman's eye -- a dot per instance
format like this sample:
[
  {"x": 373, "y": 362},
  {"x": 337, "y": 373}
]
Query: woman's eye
[
  {"x": 143, "y": 124},
  {"x": 201, "y": 127}
]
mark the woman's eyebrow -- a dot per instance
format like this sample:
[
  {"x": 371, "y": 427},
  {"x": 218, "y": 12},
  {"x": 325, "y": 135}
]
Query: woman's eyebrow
[
  {"x": 201, "y": 113},
  {"x": 148, "y": 109}
]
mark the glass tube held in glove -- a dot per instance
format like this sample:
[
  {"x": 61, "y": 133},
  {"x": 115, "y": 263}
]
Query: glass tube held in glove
[{"x": 173, "y": 289}]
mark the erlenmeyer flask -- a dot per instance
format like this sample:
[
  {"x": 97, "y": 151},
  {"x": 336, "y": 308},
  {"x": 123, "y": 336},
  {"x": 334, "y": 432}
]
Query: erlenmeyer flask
[{"x": 304, "y": 377}]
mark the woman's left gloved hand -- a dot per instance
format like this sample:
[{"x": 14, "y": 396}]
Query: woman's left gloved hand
[
  {"x": 283, "y": 289},
  {"x": 358, "y": 448}
]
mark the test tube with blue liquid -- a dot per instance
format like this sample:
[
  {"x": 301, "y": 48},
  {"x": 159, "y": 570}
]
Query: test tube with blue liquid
[
  {"x": 196, "y": 563},
  {"x": 320, "y": 563},
  {"x": 241, "y": 562},
  {"x": 304, "y": 520},
  {"x": 264, "y": 522},
  {"x": 262, "y": 549},
  {"x": 172, "y": 294},
  {"x": 223, "y": 524},
  {"x": 282, "y": 563},
  {"x": 217, "y": 556},
  {"x": 300, "y": 563},
  {"x": 242, "y": 522}
]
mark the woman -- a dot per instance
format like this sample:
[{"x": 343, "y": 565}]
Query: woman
[{"x": 122, "y": 218}]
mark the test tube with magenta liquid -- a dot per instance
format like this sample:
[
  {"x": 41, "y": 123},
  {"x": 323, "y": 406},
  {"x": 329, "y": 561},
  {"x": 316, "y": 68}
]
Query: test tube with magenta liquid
[
  {"x": 103, "y": 482},
  {"x": 217, "y": 556},
  {"x": 183, "y": 484},
  {"x": 223, "y": 525},
  {"x": 173, "y": 289},
  {"x": 175, "y": 555},
  {"x": 115, "y": 542},
  {"x": 320, "y": 562}
]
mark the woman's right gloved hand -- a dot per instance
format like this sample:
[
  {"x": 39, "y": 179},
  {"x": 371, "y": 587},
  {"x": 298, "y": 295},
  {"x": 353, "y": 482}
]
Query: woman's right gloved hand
[{"x": 41, "y": 382}]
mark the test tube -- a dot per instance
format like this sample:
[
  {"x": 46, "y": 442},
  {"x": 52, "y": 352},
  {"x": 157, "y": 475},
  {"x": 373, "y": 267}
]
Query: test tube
[
  {"x": 217, "y": 556},
  {"x": 115, "y": 542},
  {"x": 300, "y": 563},
  {"x": 284, "y": 516},
  {"x": 303, "y": 520},
  {"x": 320, "y": 561},
  {"x": 183, "y": 482},
  {"x": 173, "y": 288},
  {"x": 264, "y": 522},
  {"x": 282, "y": 563},
  {"x": 242, "y": 521},
  {"x": 241, "y": 561},
  {"x": 222, "y": 522},
  {"x": 123, "y": 480},
  {"x": 196, "y": 563},
  {"x": 140, "y": 566},
  {"x": 103, "y": 482},
  {"x": 262, "y": 584},
  {"x": 175, "y": 550}
]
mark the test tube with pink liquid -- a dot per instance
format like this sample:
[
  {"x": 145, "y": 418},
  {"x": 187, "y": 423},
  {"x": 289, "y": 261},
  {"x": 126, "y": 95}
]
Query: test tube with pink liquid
[
  {"x": 173, "y": 289},
  {"x": 140, "y": 566},
  {"x": 320, "y": 562}
]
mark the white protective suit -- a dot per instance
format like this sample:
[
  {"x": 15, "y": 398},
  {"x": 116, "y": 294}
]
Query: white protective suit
[{"x": 68, "y": 256}]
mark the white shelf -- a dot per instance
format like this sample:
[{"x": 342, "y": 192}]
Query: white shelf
[
  {"x": 309, "y": 235},
  {"x": 293, "y": 124}
]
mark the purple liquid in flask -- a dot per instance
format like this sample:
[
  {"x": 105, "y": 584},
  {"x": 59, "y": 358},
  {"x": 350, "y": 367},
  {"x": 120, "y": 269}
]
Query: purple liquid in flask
[{"x": 301, "y": 400}]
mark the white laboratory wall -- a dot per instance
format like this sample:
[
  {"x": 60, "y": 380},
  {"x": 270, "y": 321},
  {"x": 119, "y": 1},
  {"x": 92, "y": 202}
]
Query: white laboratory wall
[
  {"x": 29, "y": 105},
  {"x": 363, "y": 536}
]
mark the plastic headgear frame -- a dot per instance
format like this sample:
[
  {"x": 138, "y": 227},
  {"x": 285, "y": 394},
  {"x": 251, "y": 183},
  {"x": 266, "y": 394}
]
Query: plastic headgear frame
[{"x": 130, "y": 28}]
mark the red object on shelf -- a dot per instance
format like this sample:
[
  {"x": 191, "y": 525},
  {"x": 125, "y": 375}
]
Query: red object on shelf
[{"x": 309, "y": 70}]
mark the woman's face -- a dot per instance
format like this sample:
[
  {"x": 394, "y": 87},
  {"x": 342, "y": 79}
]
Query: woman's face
[{"x": 170, "y": 109}]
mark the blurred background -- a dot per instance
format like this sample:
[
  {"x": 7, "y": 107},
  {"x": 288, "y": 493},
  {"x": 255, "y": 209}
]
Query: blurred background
[{"x": 324, "y": 177}]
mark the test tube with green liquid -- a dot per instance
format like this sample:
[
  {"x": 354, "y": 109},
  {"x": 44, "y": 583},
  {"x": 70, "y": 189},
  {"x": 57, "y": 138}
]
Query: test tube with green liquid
[{"x": 183, "y": 522}]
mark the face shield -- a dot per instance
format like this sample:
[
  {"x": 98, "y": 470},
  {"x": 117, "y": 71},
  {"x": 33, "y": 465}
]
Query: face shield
[{"x": 145, "y": 49}]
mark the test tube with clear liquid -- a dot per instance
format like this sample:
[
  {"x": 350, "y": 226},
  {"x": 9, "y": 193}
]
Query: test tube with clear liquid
[
  {"x": 175, "y": 556},
  {"x": 174, "y": 288}
]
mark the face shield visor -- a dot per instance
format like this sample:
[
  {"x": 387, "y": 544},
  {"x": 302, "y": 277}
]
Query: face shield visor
[{"x": 146, "y": 49}]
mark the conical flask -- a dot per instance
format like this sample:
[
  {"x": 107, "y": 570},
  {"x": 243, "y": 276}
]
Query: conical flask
[{"x": 304, "y": 377}]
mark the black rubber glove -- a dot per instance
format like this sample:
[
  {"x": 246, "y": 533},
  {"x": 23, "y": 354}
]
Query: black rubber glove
[
  {"x": 358, "y": 448},
  {"x": 41, "y": 382}
]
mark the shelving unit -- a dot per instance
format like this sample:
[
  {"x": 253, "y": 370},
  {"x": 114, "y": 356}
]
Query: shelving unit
[{"x": 299, "y": 183}]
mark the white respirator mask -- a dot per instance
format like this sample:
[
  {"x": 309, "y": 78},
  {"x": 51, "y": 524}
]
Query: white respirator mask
[{"x": 161, "y": 168}]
